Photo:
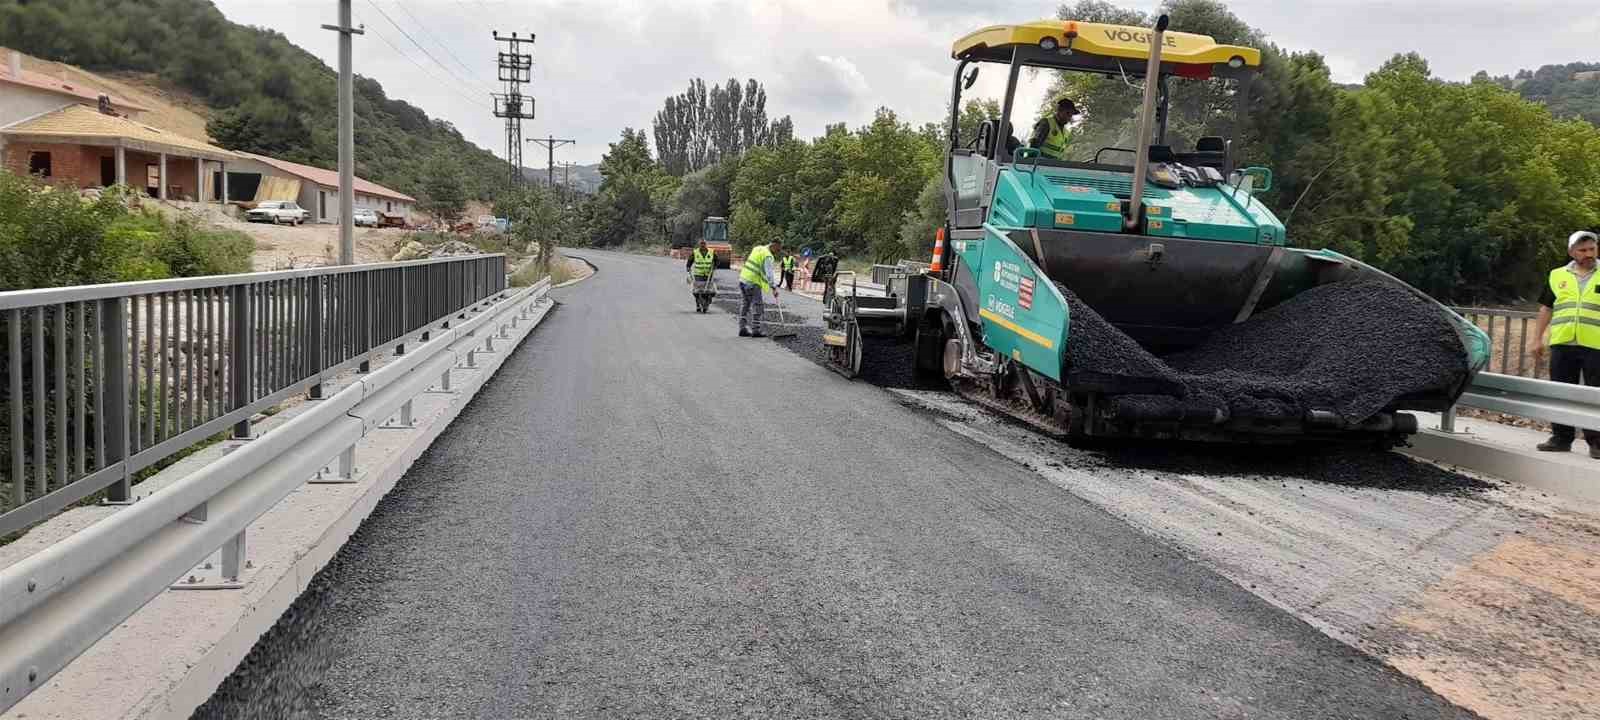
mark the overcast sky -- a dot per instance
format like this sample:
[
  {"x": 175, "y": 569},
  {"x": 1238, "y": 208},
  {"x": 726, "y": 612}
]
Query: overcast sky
[{"x": 601, "y": 66}]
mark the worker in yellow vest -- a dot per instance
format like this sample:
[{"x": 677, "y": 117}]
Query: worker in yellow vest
[
  {"x": 1569, "y": 326},
  {"x": 789, "y": 263},
  {"x": 1052, "y": 135},
  {"x": 702, "y": 267},
  {"x": 759, "y": 274}
]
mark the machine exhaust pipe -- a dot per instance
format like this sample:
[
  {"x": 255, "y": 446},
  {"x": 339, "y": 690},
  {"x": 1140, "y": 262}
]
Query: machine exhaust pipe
[{"x": 1141, "y": 161}]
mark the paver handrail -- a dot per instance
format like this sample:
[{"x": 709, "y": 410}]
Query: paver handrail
[{"x": 99, "y": 382}]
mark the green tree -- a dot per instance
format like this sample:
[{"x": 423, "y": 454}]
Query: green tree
[
  {"x": 634, "y": 193},
  {"x": 700, "y": 128},
  {"x": 748, "y": 227},
  {"x": 887, "y": 169},
  {"x": 442, "y": 194}
]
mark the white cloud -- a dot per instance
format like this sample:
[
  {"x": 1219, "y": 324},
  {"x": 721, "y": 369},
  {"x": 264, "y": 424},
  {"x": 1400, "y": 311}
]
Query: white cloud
[{"x": 824, "y": 80}]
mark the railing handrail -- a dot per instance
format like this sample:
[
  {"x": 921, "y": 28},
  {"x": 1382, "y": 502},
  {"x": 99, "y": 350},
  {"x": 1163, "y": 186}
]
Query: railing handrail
[
  {"x": 1496, "y": 312},
  {"x": 78, "y": 293},
  {"x": 169, "y": 363}
]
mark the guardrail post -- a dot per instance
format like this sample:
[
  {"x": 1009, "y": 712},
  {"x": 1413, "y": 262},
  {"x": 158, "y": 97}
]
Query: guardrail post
[
  {"x": 444, "y": 381},
  {"x": 114, "y": 331},
  {"x": 472, "y": 358},
  {"x": 233, "y": 556},
  {"x": 242, "y": 328},
  {"x": 1447, "y": 420},
  {"x": 405, "y": 419},
  {"x": 488, "y": 343},
  {"x": 314, "y": 356},
  {"x": 347, "y": 463}
]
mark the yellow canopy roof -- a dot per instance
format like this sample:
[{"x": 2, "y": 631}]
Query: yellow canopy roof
[
  {"x": 1114, "y": 41},
  {"x": 88, "y": 126}
]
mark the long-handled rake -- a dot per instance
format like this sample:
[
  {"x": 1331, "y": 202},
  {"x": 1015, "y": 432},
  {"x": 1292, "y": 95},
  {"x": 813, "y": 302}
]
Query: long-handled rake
[{"x": 785, "y": 327}]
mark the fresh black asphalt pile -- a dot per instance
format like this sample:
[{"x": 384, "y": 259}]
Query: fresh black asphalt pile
[{"x": 1352, "y": 348}]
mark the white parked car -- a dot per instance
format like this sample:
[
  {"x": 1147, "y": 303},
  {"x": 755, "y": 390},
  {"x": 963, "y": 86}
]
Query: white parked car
[
  {"x": 366, "y": 217},
  {"x": 278, "y": 212}
]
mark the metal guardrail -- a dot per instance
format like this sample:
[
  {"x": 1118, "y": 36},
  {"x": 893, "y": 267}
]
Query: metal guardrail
[
  {"x": 1508, "y": 339},
  {"x": 58, "y": 602},
  {"x": 103, "y": 381},
  {"x": 1554, "y": 402}
]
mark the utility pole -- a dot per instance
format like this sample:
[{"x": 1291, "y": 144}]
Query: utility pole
[
  {"x": 347, "y": 136},
  {"x": 515, "y": 68},
  {"x": 550, "y": 144}
]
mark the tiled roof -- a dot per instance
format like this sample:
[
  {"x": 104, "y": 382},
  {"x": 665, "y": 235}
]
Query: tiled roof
[
  {"x": 330, "y": 178},
  {"x": 42, "y": 81},
  {"x": 77, "y": 121}
]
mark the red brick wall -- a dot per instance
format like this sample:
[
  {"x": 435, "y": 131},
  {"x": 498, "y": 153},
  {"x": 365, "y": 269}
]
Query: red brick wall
[
  {"x": 79, "y": 166},
  {"x": 69, "y": 164}
]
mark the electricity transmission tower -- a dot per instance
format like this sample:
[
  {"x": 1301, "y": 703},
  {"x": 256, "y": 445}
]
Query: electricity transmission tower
[{"x": 515, "y": 68}]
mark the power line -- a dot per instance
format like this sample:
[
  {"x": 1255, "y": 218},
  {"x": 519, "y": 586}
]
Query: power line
[
  {"x": 431, "y": 75},
  {"x": 413, "y": 40},
  {"x": 441, "y": 44}
]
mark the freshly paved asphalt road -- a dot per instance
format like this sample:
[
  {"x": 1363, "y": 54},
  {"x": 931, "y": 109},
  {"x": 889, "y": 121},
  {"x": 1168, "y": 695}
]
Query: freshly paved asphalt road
[{"x": 644, "y": 515}]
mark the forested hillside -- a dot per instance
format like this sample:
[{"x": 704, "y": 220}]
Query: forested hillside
[
  {"x": 1571, "y": 90},
  {"x": 268, "y": 95}
]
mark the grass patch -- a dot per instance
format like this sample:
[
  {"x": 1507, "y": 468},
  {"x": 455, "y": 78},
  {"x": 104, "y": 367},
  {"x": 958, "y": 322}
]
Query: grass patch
[{"x": 561, "y": 271}]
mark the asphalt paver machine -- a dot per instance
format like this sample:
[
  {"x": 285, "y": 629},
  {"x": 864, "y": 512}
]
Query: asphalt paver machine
[{"x": 1076, "y": 294}]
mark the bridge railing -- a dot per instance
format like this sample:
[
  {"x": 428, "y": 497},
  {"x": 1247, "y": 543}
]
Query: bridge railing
[
  {"x": 1508, "y": 340},
  {"x": 100, "y": 382}
]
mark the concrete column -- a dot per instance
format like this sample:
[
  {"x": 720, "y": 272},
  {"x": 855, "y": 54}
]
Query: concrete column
[
  {"x": 122, "y": 166},
  {"x": 161, "y": 176},
  {"x": 222, "y": 169},
  {"x": 200, "y": 180}
]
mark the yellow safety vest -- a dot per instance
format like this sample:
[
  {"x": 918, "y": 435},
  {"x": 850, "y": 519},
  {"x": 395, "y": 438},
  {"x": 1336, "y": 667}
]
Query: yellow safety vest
[
  {"x": 788, "y": 263},
  {"x": 754, "y": 270},
  {"x": 705, "y": 264},
  {"x": 1575, "y": 318},
  {"x": 1055, "y": 143}
]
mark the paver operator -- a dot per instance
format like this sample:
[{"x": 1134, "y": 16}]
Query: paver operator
[
  {"x": 759, "y": 274},
  {"x": 702, "y": 266},
  {"x": 1569, "y": 326},
  {"x": 1051, "y": 134}
]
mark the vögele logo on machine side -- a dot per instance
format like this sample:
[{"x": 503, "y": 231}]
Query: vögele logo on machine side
[{"x": 1143, "y": 38}]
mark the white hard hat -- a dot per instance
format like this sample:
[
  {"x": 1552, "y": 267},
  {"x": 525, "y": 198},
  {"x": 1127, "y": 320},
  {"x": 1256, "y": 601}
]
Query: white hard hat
[{"x": 1580, "y": 236}]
